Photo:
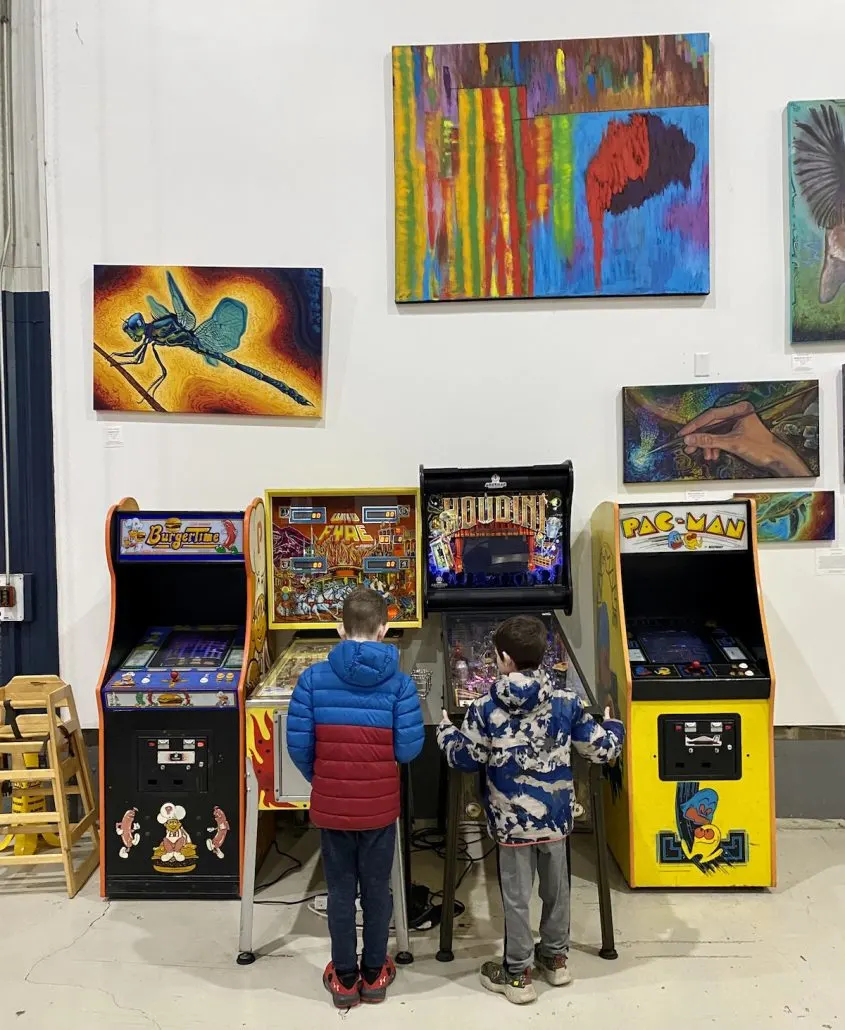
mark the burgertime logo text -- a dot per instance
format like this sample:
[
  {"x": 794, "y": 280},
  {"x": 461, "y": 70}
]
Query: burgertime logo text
[
  {"x": 665, "y": 521},
  {"x": 162, "y": 537}
]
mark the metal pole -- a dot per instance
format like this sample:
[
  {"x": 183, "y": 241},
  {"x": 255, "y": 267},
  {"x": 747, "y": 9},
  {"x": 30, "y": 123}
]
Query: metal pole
[
  {"x": 400, "y": 906},
  {"x": 450, "y": 870},
  {"x": 608, "y": 944},
  {"x": 246, "y": 956}
]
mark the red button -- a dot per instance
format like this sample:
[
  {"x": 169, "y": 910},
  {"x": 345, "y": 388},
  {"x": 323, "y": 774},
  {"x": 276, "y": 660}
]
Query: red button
[
  {"x": 174, "y": 676},
  {"x": 696, "y": 665}
]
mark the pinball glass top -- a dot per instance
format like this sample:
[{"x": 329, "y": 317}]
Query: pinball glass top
[
  {"x": 327, "y": 544},
  {"x": 277, "y": 685},
  {"x": 471, "y": 658}
]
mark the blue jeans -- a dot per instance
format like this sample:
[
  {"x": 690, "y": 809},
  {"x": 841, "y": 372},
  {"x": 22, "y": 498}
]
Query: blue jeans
[{"x": 352, "y": 860}]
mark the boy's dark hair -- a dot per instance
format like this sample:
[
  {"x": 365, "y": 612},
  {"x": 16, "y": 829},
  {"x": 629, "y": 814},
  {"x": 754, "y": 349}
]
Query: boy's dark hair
[
  {"x": 524, "y": 638},
  {"x": 364, "y": 610}
]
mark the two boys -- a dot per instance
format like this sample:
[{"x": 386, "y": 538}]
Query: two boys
[{"x": 353, "y": 717}]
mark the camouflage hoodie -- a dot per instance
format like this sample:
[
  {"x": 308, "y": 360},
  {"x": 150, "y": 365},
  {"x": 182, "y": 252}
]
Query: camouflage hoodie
[{"x": 522, "y": 733}]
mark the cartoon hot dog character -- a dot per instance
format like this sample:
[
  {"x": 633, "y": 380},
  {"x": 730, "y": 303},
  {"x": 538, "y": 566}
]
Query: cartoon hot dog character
[
  {"x": 220, "y": 829},
  {"x": 126, "y": 831}
]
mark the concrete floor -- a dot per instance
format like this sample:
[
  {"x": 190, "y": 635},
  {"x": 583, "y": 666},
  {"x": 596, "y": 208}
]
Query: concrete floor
[{"x": 687, "y": 960}]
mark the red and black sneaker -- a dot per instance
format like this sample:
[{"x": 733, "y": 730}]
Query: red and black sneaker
[
  {"x": 342, "y": 996},
  {"x": 375, "y": 992}
]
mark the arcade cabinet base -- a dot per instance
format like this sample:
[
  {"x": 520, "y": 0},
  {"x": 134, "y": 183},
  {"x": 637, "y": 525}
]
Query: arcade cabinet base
[{"x": 702, "y": 796}]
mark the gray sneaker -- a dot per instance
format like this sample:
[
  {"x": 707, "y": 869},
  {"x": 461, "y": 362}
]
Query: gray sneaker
[
  {"x": 554, "y": 968},
  {"x": 519, "y": 990}
]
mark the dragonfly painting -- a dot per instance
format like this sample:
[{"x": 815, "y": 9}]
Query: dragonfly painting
[{"x": 273, "y": 315}]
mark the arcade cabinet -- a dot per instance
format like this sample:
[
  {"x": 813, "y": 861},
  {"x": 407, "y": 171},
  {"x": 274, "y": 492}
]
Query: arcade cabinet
[
  {"x": 497, "y": 544},
  {"x": 683, "y": 659},
  {"x": 187, "y": 642}
]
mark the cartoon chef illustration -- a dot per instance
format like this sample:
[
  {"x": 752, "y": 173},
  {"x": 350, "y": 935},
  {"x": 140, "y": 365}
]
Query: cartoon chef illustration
[
  {"x": 220, "y": 829},
  {"x": 176, "y": 853},
  {"x": 135, "y": 534},
  {"x": 126, "y": 830}
]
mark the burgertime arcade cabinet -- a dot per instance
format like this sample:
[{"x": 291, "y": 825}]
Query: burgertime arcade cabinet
[
  {"x": 683, "y": 659},
  {"x": 187, "y": 642}
]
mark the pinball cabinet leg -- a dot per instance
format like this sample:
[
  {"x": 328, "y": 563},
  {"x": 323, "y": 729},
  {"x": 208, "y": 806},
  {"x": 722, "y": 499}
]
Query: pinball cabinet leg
[
  {"x": 450, "y": 870},
  {"x": 400, "y": 902},
  {"x": 608, "y": 944},
  {"x": 246, "y": 956}
]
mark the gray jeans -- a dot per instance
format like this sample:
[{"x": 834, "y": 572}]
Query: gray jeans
[{"x": 517, "y": 867}]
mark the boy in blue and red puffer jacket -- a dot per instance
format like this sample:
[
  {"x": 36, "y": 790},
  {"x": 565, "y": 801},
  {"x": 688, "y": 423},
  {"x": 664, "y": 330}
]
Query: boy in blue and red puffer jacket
[{"x": 350, "y": 720}]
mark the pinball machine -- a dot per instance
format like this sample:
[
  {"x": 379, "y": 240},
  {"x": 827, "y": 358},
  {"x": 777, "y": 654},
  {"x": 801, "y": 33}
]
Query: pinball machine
[
  {"x": 324, "y": 544},
  {"x": 496, "y": 544},
  {"x": 187, "y": 642},
  {"x": 682, "y": 656}
]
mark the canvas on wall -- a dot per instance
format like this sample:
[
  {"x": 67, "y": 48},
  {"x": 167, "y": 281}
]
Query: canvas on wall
[
  {"x": 793, "y": 516},
  {"x": 235, "y": 341},
  {"x": 555, "y": 168},
  {"x": 710, "y": 431},
  {"x": 816, "y": 146}
]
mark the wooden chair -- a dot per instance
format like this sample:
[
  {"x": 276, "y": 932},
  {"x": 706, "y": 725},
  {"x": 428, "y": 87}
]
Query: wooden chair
[{"x": 43, "y": 756}]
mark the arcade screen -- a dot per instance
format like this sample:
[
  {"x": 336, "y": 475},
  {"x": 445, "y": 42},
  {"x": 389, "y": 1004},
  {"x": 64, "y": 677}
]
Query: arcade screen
[
  {"x": 193, "y": 649},
  {"x": 495, "y": 540},
  {"x": 326, "y": 545},
  {"x": 674, "y": 646}
]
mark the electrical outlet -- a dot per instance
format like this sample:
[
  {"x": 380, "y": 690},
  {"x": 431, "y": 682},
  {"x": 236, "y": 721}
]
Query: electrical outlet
[{"x": 15, "y": 601}]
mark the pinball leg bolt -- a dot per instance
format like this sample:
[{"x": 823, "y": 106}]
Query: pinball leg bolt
[
  {"x": 246, "y": 958},
  {"x": 403, "y": 958},
  {"x": 446, "y": 955}
]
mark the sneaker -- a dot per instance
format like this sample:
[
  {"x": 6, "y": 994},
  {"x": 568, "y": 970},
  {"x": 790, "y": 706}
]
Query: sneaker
[
  {"x": 375, "y": 992},
  {"x": 518, "y": 989},
  {"x": 343, "y": 997},
  {"x": 554, "y": 969}
]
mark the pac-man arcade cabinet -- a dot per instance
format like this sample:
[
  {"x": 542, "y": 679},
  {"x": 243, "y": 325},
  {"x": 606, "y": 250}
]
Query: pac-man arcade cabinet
[
  {"x": 187, "y": 643},
  {"x": 682, "y": 656}
]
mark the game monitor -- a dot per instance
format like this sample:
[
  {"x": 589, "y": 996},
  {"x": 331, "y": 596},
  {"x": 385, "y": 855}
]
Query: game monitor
[
  {"x": 326, "y": 543},
  {"x": 187, "y": 642},
  {"x": 497, "y": 538}
]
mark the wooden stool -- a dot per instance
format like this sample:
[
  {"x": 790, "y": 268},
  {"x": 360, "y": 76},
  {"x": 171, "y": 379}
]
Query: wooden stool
[{"x": 42, "y": 755}]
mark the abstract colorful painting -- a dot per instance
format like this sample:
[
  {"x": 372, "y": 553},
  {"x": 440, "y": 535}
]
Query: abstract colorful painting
[
  {"x": 795, "y": 515},
  {"x": 232, "y": 341},
  {"x": 558, "y": 168},
  {"x": 710, "y": 431},
  {"x": 816, "y": 146}
]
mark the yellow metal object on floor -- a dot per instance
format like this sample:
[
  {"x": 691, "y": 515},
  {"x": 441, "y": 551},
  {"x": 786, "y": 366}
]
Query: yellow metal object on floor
[{"x": 25, "y": 842}]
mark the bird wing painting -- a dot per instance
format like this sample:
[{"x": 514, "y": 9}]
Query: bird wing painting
[
  {"x": 556, "y": 168},
  {"x": 817, "y": 219}
]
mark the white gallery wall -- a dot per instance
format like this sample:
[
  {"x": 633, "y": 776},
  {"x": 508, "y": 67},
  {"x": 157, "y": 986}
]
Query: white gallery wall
[{"x": 259, "y": 133}]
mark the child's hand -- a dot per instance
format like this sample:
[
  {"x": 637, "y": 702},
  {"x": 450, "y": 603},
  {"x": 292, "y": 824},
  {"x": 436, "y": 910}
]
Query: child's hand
[
  {"x": 607, "y": 714},
  {"x": 444, "y": 716}
]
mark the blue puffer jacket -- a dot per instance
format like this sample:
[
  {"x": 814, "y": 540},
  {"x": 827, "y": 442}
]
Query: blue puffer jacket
[
  {"x": 523, "y": 731},
  {"x": 350, "y": 720}
]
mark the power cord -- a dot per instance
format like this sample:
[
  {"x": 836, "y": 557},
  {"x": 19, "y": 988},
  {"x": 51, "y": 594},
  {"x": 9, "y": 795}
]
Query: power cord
[{"x": 294, "y": 867}]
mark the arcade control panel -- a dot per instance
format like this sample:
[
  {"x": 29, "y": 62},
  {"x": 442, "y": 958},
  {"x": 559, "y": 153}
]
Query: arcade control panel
[
  {"x": 670, "y": 661},
  {"x": 177, "y": 666}
]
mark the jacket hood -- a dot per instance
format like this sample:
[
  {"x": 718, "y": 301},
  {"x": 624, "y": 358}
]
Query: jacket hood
[
  {"x": 520, "y": 692},
  {"x": 364, "y": 663}
]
